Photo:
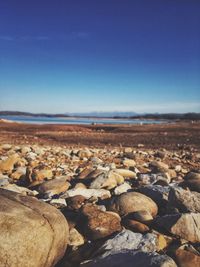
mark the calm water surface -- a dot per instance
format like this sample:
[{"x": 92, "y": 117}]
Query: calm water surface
[{"x": 45, "y": 120}]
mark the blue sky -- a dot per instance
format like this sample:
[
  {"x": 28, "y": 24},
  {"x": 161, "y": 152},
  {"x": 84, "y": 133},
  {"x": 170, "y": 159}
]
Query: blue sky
[{"x": 102, "y": 55}]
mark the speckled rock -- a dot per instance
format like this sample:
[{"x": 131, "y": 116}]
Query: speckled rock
[{"x": 32, "y": 233}]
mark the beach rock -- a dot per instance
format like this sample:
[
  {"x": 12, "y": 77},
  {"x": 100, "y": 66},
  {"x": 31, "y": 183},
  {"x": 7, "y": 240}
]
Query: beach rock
[
  {"x": 192, "y": 181},
  {"x": 159, "y": 194},
  {"x": 87, "y": 193},
  {"x": 4, "y": 180},
  {"x": 25, "y": 150},
  {"x": 7, "y": 165},
  {"x": 75, "y": 238},
  {"x": 33, "y": 233},
  {"x": 58, "y": 202},
  {"x": 129, "y": 163},
  {"x": 75, "y": 202},
  {"x": 128, "y": 240},
  {"x": 186, "y": 226},
  {"x": 131, "y": 259},
  {"x": 122, "y": 189},
  {"x": 20, "y": 189},
  {"x": 147, "y": 179},
  {"x": 80, "y": 185},
  {"x": 184, "y": 200},
  {"x": 186, "y": 258},
  {"x": 132, "y": 201},
  {"x": 99, "y": 224},
  {"x": 142, "y": 216},
  {"x": 53, "y": 187},
  {"x": 158, "y": 167},
  {"x": 18, "y": 173},
  {"x": 85, "y": 173},
  {"x": 126, "y": 173},
  {"x": 107, "y": 180},
  {"x": 135, "y": 226},
  {"x": 84, "y": 153},
  {"x": 6, "y": 147},
  {"x": 40, "y": 175}
]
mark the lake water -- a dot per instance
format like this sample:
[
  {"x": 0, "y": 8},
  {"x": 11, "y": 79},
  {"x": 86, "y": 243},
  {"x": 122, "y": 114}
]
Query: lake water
[{"x": 45, "y": 120}]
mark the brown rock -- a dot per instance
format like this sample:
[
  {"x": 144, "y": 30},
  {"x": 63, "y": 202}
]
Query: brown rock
[
  {"x": 186, "y": 226},
  {"x": 158, "y": 167},
  {"x": 84, "y": 173},
  {"x": 7, "y": 165},
  {"x": 100, "y": 224},
  {"x": 75, "y": 202},
  {"x": 142, "y": 216},
  {"x": 131, "y": 202},
  {"x": 40, "y": 175},
  {"x": 192, "y": 180},
  {"x": 185, "y": 258},
  {"x": 135, "y": 226},
  {"x": 75, "y": 238},
  {"x": 54, "y": 187},
  {"x": 33, "y": 233}
]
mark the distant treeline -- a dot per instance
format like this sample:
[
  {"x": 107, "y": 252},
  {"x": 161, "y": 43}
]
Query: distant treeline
[
  {"x": 19, "y": 113},
  {"x": 156, "y": 116}
]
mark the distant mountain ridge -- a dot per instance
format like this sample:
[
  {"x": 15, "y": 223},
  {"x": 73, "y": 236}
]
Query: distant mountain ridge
[{"x": 115, "y": 114}]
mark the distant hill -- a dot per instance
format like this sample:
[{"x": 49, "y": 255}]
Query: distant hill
[
  {"x": 116, "y": 115},
  {"x": 101, "y": 114}
]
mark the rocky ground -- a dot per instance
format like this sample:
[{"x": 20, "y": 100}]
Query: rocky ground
[
  {"x": 90, "y": 207},
  {"x": 174, "y": 135}
]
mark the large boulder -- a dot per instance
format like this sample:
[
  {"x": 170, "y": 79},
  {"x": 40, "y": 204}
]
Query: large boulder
[
  {"x": 32, "y": 233},
  {"x": 131, "y": 202}
]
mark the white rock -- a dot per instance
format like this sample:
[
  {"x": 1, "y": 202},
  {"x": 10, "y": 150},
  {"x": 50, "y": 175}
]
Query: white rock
[
  {"x": 87, "y": 193},
  {"x": 122, "y": 188}
]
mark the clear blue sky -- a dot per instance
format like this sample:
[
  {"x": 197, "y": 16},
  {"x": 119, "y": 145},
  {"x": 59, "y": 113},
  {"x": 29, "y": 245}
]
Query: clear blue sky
[{"x": 100, "y": 55}]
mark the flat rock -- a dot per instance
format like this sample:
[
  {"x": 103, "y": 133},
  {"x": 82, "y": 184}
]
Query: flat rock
[
  {"x": 32, "y": 233},
  {"x": 53, "y": 187},
  {"x": 87, "y": 193}
]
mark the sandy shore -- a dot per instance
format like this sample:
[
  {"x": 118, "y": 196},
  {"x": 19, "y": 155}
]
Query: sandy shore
[{"x": 170, "y": 136}]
